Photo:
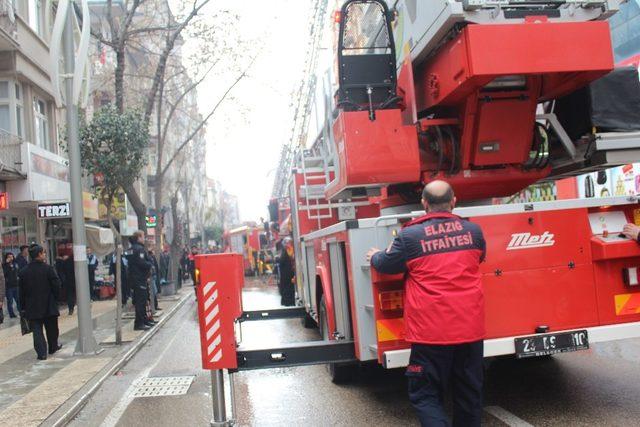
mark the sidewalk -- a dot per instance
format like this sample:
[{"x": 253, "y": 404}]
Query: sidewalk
[{"x": 31, "y": 390}]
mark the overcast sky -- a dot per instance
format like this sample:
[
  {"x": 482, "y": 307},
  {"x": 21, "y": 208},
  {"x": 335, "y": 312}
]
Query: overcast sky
[{"x": 245, "y": 135}]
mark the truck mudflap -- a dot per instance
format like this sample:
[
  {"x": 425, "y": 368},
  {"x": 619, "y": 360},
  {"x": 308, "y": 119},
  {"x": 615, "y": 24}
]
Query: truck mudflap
[{"x": 506, "y": 346}]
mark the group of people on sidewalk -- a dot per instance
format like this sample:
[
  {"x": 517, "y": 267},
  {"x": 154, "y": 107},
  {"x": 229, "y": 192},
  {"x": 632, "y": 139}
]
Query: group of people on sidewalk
[{"x": 34, "y": 287}]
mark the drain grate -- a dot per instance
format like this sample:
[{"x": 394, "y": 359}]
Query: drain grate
[{"x": 163, "y": 386}]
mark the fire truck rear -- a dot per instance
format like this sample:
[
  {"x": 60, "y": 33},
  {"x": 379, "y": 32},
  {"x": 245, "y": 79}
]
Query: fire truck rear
[{"x": 490, "y": 96}]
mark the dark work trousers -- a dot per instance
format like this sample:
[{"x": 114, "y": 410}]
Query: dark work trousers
[
  {"x": 433, "y": 370},
  {"x": 140, "y": 297},
  {"x": 71, "y": 296},
  {"x": 41, "y": 345}
]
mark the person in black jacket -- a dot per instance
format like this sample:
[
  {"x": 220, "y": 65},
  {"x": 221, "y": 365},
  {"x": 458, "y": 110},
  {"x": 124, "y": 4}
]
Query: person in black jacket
[
  {"x": 39, "y": 289},
  {"x": 287, "y": 274},
  {"x": 139, "y": 274},
  {"x": 22, "y": 258},
  {"x": 69, "y": 282},
  {"x": 10, "y": 272}
]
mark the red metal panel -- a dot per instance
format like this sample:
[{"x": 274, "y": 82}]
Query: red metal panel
[
  {"x": 483, "y": 183},
  {"x": 536, "y": 240},
  {"x": 611, "y": 290},
  {"x": 219, "y": 292},
  {"x": 374, "y": 153},
  {"x": 516, "y": 302},
  {"x": 538, "y": 48},
  {"x": 482, "y": 52},
  {"x": 501, "y": 141}
]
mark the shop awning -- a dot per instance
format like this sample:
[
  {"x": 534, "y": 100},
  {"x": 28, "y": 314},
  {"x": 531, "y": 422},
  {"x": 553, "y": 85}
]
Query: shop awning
[{"x": 99, "y": 239}]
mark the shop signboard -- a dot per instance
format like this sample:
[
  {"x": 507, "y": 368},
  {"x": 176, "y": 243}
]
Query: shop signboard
[
  {"x": 4, "y": 201},
  {"x": 54, "y": 210}
]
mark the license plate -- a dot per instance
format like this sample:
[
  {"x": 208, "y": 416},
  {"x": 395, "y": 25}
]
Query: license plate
[{"x": 546, "y": 344}]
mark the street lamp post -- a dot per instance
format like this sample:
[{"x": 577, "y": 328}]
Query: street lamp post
[{"x": 86, "y": 342}]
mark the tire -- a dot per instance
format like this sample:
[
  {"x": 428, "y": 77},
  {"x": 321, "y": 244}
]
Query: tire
[{"x": 340, "y": 373}]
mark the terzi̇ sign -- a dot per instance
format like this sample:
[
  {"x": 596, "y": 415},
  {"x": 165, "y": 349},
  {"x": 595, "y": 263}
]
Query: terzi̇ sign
[{"x": 54, "y": 210}]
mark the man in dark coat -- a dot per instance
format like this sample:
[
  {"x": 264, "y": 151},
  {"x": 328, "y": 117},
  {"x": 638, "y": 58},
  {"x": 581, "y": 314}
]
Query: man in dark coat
[
  {"x": 39, "y": 289},
  {"x": 139, "y": 273},
  {"x": 92, "y": 265},
  {"x": 70, "y": 282},
  {"x": 287, "y": 274},
  {"x": 23, "y": 257}
]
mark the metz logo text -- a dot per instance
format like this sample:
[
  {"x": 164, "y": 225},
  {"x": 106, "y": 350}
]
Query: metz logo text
[{"x": 530, "y": 241}]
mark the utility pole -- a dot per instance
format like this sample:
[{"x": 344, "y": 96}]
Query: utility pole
[{"x": 86, "y": 341}]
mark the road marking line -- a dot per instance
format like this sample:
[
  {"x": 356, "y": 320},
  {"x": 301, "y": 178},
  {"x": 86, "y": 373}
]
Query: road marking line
[
  {"x": 119, "y": 409},
  {"x": 506, "y": 417}
]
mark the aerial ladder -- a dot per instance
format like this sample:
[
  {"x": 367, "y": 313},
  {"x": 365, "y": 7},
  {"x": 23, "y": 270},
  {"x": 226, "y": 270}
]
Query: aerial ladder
[{"x": 487, "y": 95}]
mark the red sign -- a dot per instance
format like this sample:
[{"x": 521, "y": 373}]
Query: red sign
[
  {"x": 219, "y": 281},
  {"x": 4, "y": 201}
]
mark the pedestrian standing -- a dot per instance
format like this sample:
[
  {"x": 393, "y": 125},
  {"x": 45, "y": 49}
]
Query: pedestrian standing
[
  {"x": 165, "y": 265},
  {"x": 191, "y": 266},
  {"x": 139, "y": 273},
  {"x": 69, "y": 282},
  {"x": 92, "y": 265},
  {"x": 155, "y": 278},
  {"x": 440, "y": 255},
  {"x": 2, "y": 294},
  {"x": 287, "y": 273},
  {"x": 10, "y": 273},
  {"x": 39, "y": 286},
  {"x": 23, "y": 257},
  {"x": 124, "y": 276}
]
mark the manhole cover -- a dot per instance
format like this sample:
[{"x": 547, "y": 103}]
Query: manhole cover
[{"x": 163, "y": 386}]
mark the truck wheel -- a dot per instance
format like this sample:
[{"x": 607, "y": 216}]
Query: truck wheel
[{"x": 340, "y": 373}]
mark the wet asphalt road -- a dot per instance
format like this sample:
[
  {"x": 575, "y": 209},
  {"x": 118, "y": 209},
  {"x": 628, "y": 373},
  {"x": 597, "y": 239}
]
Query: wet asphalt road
[{"x": 599, "y": 387}]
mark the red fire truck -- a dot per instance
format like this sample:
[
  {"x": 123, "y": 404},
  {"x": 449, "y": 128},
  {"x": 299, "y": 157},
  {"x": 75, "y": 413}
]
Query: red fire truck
[
  {"x": 490, "y": 96},
  {"x": 245, "y": 240}
]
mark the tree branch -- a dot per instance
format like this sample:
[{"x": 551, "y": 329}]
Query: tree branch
[
  {"x": 174, "y": 106},
  {"x": 170, "y": 43},
  {"x": 204, "y": 121}
]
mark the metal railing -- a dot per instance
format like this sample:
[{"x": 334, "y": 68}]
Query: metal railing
[{"x": 10, "y": 152}]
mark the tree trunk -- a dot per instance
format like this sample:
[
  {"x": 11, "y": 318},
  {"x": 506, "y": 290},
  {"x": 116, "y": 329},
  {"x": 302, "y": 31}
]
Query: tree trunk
[
  {"x": 119, "y": 77},
  {"x": 158, "y": 203},
  {"x": 159, "y": 177},
  {"x": 176, "y": 243},
  {"x": 138, "y": 206}
]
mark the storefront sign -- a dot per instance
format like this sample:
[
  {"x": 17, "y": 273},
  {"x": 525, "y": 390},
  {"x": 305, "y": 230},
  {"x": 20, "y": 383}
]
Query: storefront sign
[
  {"x": 152, "y": 221},
  {"x": 4, "y": 201},
  {"x": 54, "y": 210},
  {"x": 90, "y": 206}
]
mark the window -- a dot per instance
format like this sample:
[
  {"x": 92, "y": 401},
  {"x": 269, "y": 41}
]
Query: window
[
  {"x": 42, "y": 124},
  {"x": 5, "y": 107},
  {"x": 36, "y": 16},
  {"x": 19, "y": 111}
]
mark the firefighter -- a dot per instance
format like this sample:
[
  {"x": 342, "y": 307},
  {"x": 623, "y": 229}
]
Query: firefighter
[
  {"x": 287, "y": 274},
  {"x": 440, "y": 254},
  {"x": 139, "y": 274}
]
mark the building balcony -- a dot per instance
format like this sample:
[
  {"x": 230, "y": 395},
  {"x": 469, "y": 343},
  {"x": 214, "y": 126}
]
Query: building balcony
[{"x": 44, "y": 176}]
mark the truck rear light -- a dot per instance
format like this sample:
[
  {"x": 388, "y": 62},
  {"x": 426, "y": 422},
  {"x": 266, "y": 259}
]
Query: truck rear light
[
  {"x": 391, "y": 300},
  {"x": 630, "y": 276}
]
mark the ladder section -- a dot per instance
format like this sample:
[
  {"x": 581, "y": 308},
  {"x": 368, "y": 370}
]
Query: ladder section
[{"x": 316, "y": 173}]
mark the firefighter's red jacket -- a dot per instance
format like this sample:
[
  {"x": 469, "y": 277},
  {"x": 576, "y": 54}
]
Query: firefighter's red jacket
[{"x": 440, "y": 254}]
